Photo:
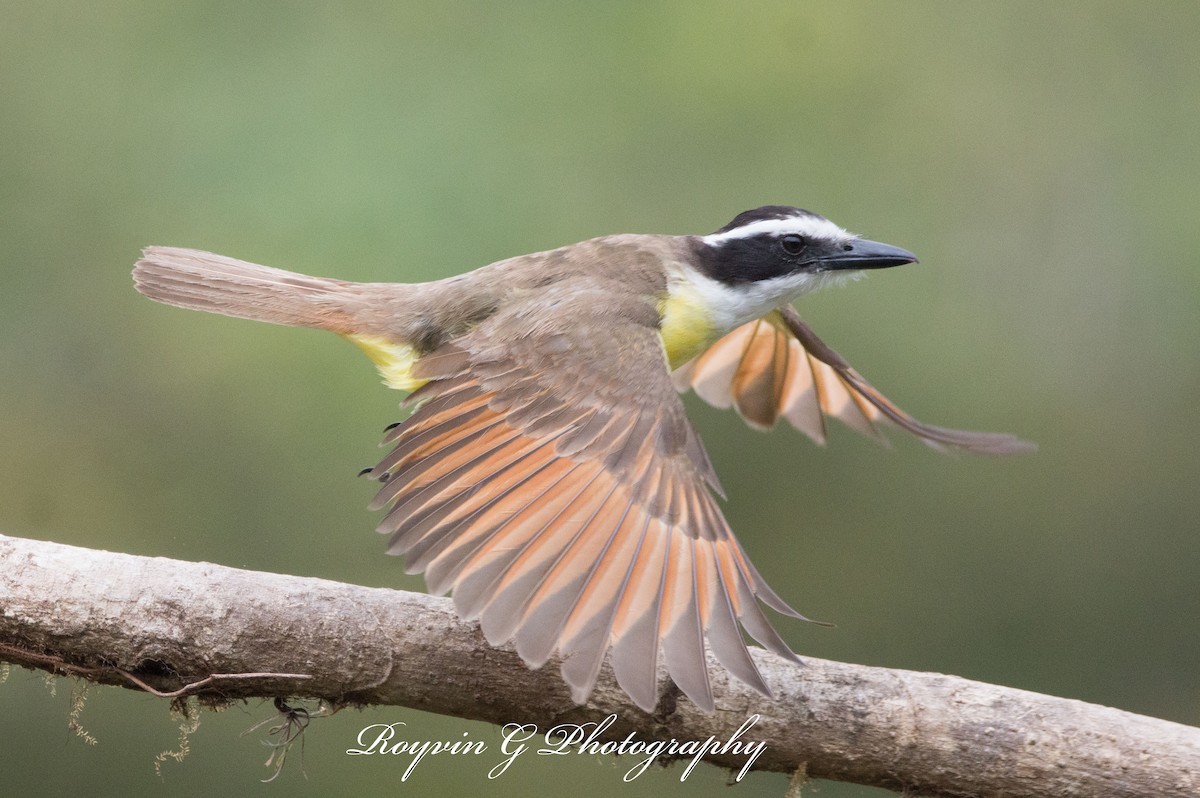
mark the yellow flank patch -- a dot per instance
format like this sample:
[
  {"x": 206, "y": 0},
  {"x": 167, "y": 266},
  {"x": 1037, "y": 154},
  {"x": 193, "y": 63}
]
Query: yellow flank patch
[
  {"x": 394, "y": 361},
  {"x": 687, "y": 327}
]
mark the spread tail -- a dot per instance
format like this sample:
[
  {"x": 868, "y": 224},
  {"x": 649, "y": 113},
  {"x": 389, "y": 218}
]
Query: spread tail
[{"x": 189, "y": 278}]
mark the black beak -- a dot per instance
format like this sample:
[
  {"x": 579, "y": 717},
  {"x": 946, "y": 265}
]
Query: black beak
[{"x": 863, "y": 254}]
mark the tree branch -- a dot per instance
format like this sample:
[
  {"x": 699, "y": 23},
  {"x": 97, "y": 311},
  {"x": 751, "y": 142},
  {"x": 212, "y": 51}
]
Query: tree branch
[{"x": 180, "y": 628}]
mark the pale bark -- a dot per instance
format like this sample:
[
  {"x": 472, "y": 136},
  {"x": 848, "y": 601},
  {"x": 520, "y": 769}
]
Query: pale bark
[{"x": 124, "y": 620}]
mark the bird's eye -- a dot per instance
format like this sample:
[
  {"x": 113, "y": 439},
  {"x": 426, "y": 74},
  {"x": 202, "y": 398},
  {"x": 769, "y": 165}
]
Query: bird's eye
[{"x": 792, "y": 244}]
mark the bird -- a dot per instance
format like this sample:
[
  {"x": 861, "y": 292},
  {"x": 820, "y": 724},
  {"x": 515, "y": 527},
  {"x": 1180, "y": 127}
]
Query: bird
[{"x": 548, "y": 475}]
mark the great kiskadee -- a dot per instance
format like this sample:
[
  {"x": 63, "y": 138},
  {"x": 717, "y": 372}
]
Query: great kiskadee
[{"x": 548, "y": 474}]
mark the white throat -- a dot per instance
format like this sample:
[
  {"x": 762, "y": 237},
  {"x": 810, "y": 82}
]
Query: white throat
[{"x": 729, "y": 306}]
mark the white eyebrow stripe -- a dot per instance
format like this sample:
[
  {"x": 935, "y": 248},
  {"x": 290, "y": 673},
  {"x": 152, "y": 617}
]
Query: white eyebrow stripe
[{"x": 810, "y": 226}]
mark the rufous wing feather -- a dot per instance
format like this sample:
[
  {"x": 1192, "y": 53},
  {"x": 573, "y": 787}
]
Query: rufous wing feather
[
  {"x": 573, "y": 517},
  {"x": 776, "y": 367}
]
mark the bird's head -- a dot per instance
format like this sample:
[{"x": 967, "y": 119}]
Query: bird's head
[{"x": 773, "y": 254}]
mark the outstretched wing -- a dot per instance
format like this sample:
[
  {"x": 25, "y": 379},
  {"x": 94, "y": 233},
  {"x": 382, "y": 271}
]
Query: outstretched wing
[
  {"x": 550, "y": 478},
  {"x": 776, "y": 367}
]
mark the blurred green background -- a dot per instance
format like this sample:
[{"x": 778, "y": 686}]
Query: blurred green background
[{"x": 1041, "y": 158}]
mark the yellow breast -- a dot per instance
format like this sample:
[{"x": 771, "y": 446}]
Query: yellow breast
[{"x": 687, "y": 327}]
